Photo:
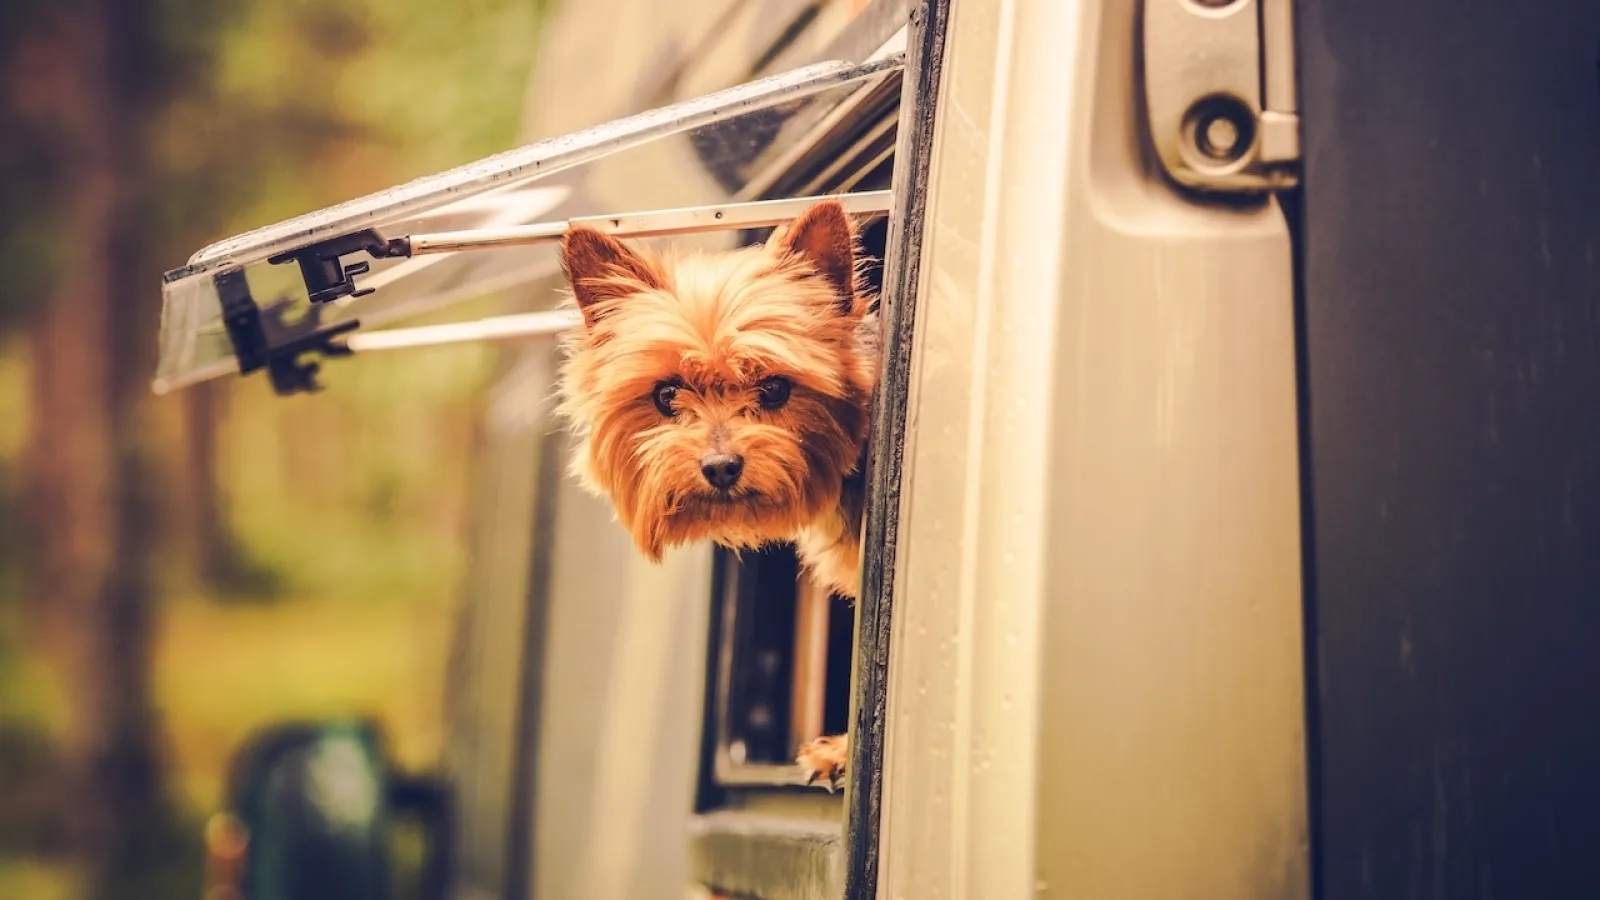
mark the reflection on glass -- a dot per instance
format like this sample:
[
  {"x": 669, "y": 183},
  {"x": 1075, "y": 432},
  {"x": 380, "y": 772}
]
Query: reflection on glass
[{"x": 693, "y": 153}]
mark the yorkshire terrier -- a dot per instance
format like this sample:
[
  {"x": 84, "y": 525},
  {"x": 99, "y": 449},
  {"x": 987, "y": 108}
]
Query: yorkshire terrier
[{"x": 727, "y": 397}]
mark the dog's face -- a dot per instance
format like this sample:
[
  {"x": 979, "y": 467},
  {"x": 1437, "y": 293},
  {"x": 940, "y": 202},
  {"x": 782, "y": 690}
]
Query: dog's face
[{"x": 720, "y": 396}]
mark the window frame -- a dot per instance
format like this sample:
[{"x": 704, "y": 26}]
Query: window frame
[{"x": 921, "y": 81}]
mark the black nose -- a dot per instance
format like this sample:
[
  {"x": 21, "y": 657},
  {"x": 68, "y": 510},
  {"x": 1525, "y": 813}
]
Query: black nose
[{"x": 722, "y": 469}]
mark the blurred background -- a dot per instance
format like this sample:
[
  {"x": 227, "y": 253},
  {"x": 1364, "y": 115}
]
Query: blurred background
[{"x": 176, "y": 571}]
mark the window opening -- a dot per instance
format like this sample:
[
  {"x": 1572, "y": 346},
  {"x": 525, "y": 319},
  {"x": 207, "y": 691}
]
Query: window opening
[{"x": 784, "y": 647}]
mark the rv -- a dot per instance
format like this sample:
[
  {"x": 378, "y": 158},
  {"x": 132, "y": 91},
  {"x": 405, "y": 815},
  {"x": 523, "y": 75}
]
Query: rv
[{"x": 1234, "y": 479}]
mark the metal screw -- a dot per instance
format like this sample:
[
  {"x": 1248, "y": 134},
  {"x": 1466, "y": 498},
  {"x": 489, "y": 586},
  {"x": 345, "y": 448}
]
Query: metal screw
[
  {"x": 1218, "y": 132},
  {"x": 1220, "y": 138}
]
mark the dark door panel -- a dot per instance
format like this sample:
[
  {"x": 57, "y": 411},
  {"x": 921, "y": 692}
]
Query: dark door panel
[{"x": 1451, "y": 284}]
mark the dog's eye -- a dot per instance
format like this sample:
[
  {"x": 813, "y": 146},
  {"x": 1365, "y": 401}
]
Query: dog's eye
[
  {"x": 774, "y": 392},
  {"x": 664, "y": 394}
]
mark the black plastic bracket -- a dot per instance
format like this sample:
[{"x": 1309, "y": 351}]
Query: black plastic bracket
[
  {"x": 324, "y": 271},
  {"x": 262, "y": 339}
]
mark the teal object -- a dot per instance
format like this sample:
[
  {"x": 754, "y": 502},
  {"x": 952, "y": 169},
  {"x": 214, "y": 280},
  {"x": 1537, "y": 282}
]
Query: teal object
[{"x": 314, "y": 798}]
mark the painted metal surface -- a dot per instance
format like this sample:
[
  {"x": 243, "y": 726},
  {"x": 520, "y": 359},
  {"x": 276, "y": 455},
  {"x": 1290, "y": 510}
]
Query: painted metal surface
[{"x": 1096, "y": 686}]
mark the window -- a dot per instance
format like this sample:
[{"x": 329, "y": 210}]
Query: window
[
  {"x": 264, "y": 299},
  {"x": 781, "y": 666},
  {"x": 781, "y": 651},
  {"x": 781, "y": 648}
]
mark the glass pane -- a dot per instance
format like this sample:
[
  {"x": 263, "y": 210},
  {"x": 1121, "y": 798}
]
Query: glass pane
[{"x": 697, "y": 152}]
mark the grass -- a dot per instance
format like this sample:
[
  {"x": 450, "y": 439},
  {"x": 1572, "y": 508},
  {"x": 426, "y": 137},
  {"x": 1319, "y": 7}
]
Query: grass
[
  {"x": 223, "y": 671},
  {"x": 35, "y": 880}
]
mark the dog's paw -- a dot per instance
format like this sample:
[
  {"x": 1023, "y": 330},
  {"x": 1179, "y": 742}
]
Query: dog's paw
[{"x": 825, "y": 758}]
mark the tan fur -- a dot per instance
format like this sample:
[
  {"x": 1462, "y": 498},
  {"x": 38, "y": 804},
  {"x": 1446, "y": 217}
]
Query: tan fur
[
  {"x": 824, "y": 759},
  {"x": 715, "y": 326}
]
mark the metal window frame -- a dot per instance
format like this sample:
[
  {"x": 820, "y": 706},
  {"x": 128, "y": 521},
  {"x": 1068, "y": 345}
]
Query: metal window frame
[{"x": 923, "y": 75}]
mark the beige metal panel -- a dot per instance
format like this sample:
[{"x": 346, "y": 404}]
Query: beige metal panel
[
  {"x": 832, "y": 18},
  {"x": 1096, "y": 677},
  {"x": 923, "y": 819},
  {"x": 600, "y": 59},
  {"x": 759, "y": 30},
  {"x": 486, "y": 654},
  {"x": 624, "y": 680},
  {"x": 624, "y": 672}
]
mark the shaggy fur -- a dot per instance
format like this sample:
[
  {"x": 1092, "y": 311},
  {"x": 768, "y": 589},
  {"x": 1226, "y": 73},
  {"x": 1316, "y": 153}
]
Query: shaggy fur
[{"x": 763, "y": 359}]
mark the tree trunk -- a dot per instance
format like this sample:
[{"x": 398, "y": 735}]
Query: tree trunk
[
  {"x": 218, "y": 558},
  {"x": 87, "y": 482}
]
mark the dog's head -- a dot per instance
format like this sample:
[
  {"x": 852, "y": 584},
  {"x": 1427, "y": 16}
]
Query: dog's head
[{"x": 720, "y": 396}]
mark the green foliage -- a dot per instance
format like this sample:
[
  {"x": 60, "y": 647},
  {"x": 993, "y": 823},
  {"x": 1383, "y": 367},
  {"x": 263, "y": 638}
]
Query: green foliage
[
  {"x": 254, "y": 110},
  {"x": 352, "y": 501},
  {"x": 30, "y": 238}
]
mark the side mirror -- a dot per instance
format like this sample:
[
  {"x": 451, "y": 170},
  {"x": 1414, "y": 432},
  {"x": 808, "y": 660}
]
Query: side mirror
[{"x": 311, "y": 812}]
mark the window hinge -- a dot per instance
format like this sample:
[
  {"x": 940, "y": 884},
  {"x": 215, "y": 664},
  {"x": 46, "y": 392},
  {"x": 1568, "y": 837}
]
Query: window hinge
[{"x": 1219, "y": 86}]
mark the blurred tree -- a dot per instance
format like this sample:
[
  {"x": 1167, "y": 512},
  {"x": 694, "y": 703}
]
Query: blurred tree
[
  {"x": 132, "y": 131},
  {"x": 227, "y": 156},
  {"x": 87, "y": 78},
  {"x": 77, "y": 92}
]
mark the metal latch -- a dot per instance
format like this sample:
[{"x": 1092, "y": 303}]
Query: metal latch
[{"x": 1219, "y": 87}]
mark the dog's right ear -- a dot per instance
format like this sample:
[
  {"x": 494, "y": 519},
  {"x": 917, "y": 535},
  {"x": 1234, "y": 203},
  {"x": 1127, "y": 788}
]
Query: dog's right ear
[
  {"x": 824, "y": 237},
  {"x": 600, "y": 268}
]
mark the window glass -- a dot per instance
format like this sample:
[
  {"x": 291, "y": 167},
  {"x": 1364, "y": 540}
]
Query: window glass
[{"x": 693, "y": 153}]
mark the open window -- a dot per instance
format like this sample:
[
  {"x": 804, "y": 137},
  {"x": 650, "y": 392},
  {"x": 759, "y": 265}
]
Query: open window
[
  {"x": 782, "y": 667},
  {"x": 782, "y": 651},
  {"x": 277, "y": 297}
]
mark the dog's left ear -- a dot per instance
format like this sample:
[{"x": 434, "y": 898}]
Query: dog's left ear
[
  {"x": 602, "y": 268},
  {"x": 824, "y": 237}
]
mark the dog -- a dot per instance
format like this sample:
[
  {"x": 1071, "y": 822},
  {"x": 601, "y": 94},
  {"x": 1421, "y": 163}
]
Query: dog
[{"x": 728, "y": 397}]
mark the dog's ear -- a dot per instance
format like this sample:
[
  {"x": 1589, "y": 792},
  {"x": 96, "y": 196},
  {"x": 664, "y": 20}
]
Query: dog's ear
[
  {"x": 600, "y": 267},
  {"x": 824, "y": 237}
]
